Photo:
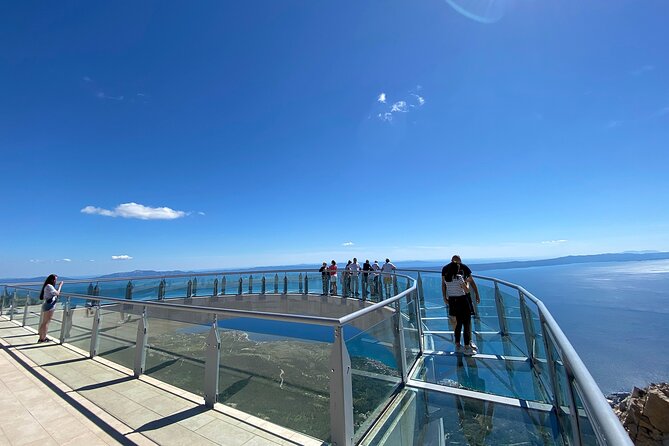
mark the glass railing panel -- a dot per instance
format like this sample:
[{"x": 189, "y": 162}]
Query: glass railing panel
[
  {"x": 410, "y": 327},
  {"x": 539, "y": 348},
  {"x": 277, "y": 371},
  {"x": 416, "y": 421},
  {"x": 56, "y": 320},
  {"x": 176, "y": 287},
  {"x": 586, "y": 429},
  {"x": 511, "y": 378},
  {"x": 145, "y": 289},
  {"x": 176, "y": 348},
  {"x": 34, "y": 312},
  {"x": 486, "y": 311},
  {"x": 117, "y": 333},
  {"x": 82, "y": 325},
  {"x": 561, "y": 393},
  {"x": 374, "y": 349},
  {"x": 115, "y": 288}
]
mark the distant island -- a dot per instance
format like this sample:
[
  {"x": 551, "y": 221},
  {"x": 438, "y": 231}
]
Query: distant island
[{"x": 434, "y": 265}]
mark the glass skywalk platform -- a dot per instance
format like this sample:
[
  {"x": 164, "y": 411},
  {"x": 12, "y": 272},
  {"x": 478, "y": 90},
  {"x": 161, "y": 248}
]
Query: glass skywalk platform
[{"x": 379, "y": 371}]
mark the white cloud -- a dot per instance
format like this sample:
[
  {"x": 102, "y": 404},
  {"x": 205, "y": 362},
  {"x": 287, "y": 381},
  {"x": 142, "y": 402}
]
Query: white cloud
[
  {"x": 135, "y": 210},
  {"x": 387, "y": 116},
  {"x": 36, "y": 261},
  {"x": 201, "y": 213},
  {"x": 413, "y": 102},
  {"x": 65, "y": 260},
  {"x": 348, "y": 244},
  {"x": 122, "y": 257},
  {"x": 399, "y": 106},
  {"x": 553, "y": 242}
]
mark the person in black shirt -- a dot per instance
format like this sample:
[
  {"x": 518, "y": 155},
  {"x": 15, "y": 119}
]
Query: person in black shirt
[
  {"x": 467, "y": 275},
  {"x": 325, "y": 274},
  {"x": 366, "y": 267},
  {"x": 455, "y": 284}
]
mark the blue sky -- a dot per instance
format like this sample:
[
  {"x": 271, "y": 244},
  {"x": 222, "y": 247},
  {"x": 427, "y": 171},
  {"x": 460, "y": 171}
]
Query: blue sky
[{"x": 281, "y": 132}]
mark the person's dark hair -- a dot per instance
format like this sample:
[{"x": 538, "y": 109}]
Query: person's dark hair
[
  {"x": 451, "y": 271},
  {"x": 51, "y": 280},
  {"x": 387, "y": 260}
]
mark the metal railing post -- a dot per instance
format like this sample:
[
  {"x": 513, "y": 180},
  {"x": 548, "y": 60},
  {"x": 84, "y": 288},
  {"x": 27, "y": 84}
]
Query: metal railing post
[
  {"x": 399, "y": 329},
  {"x": 419, "y": 322},
  {"x": 285, "y": 284},
  {"x": 25, "y": 310},
  {"x": 215, "y": 292},
  {"x": 12, "y": 300},
  {"x": 341, "y": 392},
  {"x": 306, "y": 283},
  {"x": 213, "y": 357},
  {"x": 262, "y": 284},
  {"x": 276, "y": 283},
  {"x": 95, "y": 331},
  {"x": 194, "y": 286},
  {"x": 299, "y": 284},
  {"x": 239, "y": 290},
  {"x": 66, "y": 325},
  {"x": 141, "y": 344},
  {"x": 189, "y": 289},
  {"x": 251, "y": 284},
  {"x": 421, "y": 292},
  {"x": 528, "y": 328},
  {"x": 501, "y": 315},
  {"x": 224, "y": 283}
]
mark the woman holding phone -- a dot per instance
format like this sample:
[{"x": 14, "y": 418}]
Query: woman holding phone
[{"x": 49, "y": 295}]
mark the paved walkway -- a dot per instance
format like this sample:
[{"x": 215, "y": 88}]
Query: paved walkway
[{"x": 53, "y": 395}]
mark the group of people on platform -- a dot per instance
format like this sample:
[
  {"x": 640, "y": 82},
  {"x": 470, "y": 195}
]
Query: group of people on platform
[
  {"x": 456, "y": 286},
  {"x": 355, "y": 277}
]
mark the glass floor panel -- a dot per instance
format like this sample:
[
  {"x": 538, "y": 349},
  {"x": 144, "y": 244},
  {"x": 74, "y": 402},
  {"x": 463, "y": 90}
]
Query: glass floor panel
[
  {"x": 513, "y": 379},
  {"x": 487, "y": 343},
  {"x": 441, "y": 322},
  {"x": 429, "y": 418}
]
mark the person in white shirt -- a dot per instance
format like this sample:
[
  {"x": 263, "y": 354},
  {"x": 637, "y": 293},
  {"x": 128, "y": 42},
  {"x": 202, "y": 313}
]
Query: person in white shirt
[
  {"x": 355, "y": 287},
  {"x": 387, "y": 270},
  {"x": 49, "y": 295}
]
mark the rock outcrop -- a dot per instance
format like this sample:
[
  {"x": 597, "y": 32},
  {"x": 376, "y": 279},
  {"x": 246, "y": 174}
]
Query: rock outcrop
[{"x": 645, "y": 415}]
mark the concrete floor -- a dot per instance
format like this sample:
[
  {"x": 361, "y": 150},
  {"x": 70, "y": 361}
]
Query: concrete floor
[{"x": 53, "y": 395}]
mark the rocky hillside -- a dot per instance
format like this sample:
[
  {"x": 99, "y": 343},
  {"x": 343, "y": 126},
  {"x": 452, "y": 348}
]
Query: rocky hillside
[{"x": 645, "y": 414}]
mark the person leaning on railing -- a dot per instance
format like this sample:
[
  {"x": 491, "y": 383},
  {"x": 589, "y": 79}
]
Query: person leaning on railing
[{"x": 49, "y": 295}]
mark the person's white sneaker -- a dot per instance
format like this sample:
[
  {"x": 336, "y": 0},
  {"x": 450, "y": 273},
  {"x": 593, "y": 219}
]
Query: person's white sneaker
[
  {"x": 469, "y": 351},
  {"x": 472, "y": 345}
]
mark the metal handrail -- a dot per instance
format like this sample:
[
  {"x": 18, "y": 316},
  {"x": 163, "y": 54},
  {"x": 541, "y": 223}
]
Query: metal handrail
[
  {"x": 170, "y": 276},
  {"x": 286, "y": 317}
]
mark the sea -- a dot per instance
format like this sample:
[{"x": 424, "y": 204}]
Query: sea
[{"x": 616, "y": 315}]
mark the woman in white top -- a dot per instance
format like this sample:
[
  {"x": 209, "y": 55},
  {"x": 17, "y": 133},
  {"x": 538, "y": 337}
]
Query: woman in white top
[{"x": 49, "y": 295}]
